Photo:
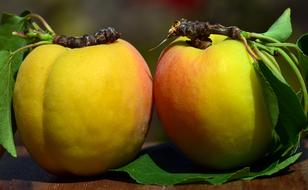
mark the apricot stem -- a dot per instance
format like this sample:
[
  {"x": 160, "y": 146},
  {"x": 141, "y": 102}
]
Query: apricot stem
[
  {"x": 19, "y": 34},
  {"x": 30, "y": 46},
  {"x": 43, "y": 21},
  {"x": 283, "y": 44},
  {"x": 298, "y": 76},
  {"x": 269, "y": 63},
  {"x": 273, "y": 60},
  {"x": 293, "y": 66},
  {"x": 249, "y": 50},
  {"x": 252, "y": 35},
  {"x": 294, "y": 57},
  {"x": 158, "y": 45},
  {"x": 288, "y": 45},
  {"x": 34, "y": 35}
]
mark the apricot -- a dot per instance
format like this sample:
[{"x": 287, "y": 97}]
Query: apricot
[
  {"x": 83, "y": 111},
  {"x": 211, "y": 103}
]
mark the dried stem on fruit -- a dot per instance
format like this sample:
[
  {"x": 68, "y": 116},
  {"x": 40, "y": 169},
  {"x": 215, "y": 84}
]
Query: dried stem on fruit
[
  {"x": 103, "y": 36},
  {"x": 199, "y": 32}
]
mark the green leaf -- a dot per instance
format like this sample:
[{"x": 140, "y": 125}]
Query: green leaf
[
  {"x": 292, "y": 119},
  {"x": 9, "y": 65},
  {"x": 269, "y": 96},
  {"x": 281, "y": 30},
  {"x": 8, "y": 24},
  {"x": 6, "y": 88},
  {"x": 145, "y": 171},
  {"x": 302, "y": 43},
  {"x": 164, "y": 165},
  {"x": 275, "y": 167}
]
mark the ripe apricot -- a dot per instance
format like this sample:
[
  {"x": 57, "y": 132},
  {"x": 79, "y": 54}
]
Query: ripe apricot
[
  {"x": 211, "y": 103},
  {"x": 83, "y": 110}
]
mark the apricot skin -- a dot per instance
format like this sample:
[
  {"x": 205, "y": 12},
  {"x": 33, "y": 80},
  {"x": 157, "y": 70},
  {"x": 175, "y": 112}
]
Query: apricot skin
[
  {"x": 83, "y": 111},
  {"x": 211, "y": 103}
]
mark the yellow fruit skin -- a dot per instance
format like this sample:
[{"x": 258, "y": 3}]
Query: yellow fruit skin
[
  {"x": 211, "y": 105},
  {"x": 84, "y": 110}
]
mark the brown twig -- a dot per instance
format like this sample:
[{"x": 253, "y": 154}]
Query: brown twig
[
  {"x": 103, "y": 36},
  {"x": 199, "y": 32}
]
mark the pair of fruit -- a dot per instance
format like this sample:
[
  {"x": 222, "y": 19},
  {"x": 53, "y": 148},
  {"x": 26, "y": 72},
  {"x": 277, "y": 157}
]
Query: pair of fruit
[{"x": 85, "y": 110}]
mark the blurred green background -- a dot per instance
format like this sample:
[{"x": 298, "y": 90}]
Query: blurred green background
[{"x": 144, "y": 23}]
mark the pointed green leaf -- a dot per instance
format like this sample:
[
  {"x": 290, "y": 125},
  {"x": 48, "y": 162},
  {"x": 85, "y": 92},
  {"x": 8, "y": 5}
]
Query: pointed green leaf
[
  {"x": 292, "y": 119},
  {"x": 145, "y": 171},
  {"x": 6, "y": 88},
  {"x": 149, "y": 169},
  {"x": 281, "y": 30},
  {"x": 275, "y": 167},
  {"x": 269, "y": 96},
  {"x": 9, "y": 66},
  {"x": 8, "y": 24}
]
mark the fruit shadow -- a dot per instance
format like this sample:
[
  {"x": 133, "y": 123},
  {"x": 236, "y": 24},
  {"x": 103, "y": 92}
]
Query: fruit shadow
[
  {"x": 165, "y": 155},
  {"x": 21, "y": 168},
  {"x": 171, "y": 159},
  {"x": 25, "y": 169}
]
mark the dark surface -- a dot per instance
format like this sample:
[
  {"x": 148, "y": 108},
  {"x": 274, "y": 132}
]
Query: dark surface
[{"x": 23, "y": 173}]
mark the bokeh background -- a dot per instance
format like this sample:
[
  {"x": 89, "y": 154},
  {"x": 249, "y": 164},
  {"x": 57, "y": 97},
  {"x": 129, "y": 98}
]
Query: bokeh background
[{"x": 145, "y": 23}]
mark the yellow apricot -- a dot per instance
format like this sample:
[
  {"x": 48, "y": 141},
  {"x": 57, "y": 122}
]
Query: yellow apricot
[{"x": 84, "y": 110}]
